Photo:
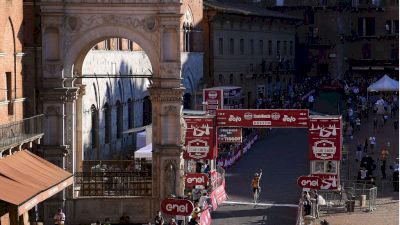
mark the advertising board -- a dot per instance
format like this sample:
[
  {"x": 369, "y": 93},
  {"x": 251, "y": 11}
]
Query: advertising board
[
  {"x": 325, "y": 138},
  {"x": 262, "y": 118},
  {"x": 175, "y": 207},
  {"x": 229, "y": 135},
  {"x": 213, "y": 99},
  {"x": 199, "y": 140}
]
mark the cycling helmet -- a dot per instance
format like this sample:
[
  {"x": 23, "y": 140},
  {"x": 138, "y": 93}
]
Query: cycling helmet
[{"x": 256, "y": 174}]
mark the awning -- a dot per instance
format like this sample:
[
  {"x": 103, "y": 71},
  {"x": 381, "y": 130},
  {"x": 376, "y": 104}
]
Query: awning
[
  {"x": 26, "y": 180},
  {"x": 145, "y": 152}
]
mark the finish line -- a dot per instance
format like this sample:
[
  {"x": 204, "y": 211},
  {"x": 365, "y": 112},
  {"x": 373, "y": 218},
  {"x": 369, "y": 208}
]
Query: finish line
[{"x": 259, "y": 204}]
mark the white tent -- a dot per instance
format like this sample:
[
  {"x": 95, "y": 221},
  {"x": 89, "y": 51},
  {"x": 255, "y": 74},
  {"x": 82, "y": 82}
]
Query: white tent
[
  {"x": 384, "y": 84},
  {"x": 144, "y": 152}
]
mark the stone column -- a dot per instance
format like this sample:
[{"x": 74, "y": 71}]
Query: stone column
[{"x": 167, "y": 141}]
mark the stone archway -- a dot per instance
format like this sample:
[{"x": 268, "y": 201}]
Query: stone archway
[{"x": 75, "y": 32}]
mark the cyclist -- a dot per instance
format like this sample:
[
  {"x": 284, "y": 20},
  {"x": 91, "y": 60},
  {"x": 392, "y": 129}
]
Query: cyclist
[{"x": 255, "y": 183}]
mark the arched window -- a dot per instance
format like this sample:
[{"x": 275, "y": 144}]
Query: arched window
[
  {"x": 120, "y": 119},
  {"x": 107, "y": 123},
  {"x": 187, "y": 29},
  {"x": 146, "y": 111},
  {"x": 94, "y": 131},
  {"x": 131, "y": 119}
]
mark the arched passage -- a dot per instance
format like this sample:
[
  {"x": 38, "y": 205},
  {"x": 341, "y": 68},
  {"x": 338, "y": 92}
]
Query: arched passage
[{"x": 78, "y": 50}]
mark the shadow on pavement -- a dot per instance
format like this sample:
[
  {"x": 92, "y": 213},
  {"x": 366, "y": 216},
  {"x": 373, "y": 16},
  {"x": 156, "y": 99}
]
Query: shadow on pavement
[{"x": 251, "y": 215}]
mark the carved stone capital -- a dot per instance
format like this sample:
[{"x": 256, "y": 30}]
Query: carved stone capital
[
  {"x": 166, "y": 94},
  {"x": 60, "y": 94}
]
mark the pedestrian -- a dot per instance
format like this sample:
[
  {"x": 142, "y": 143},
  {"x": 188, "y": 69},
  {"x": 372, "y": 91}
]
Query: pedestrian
[
  {"x": 395, "y": 175},
  {"x": 393, "y": 110},
  {"x": 59, "y": 217},
  {"x": 358, "y": 124},
  {"x": 316, "y": 197},
  {"x": 172, "y": 222},
  {"x": 193, "y": 222},
  {"x": 307, "y": 205},
  {"x": 159, "y": 220},
  {"x": 384, "y": 154},
  {"x": 366, "y": 145},
  {"x": 196, "y": 211},
  {"x": 385, "y": 119},
  {"x": 359, "y": 152},
  {"x": 363, "y": 174},
  {"x": 372, "y": 142},
  {"x": 203, "y": 201},
  {"x": 375, "y": 123},
  {"x": 311, "y": 101},
  {"x": 195, "y": 194},
  {"x": 383, "y": 170}
]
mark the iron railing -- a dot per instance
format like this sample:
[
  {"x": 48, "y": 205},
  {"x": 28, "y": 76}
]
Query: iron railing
[
  {"x": 116, "y": 165},
  {"x": 363, "y": 194},
  {"x": 101, "y": 184},
  {"x": 19, "y": 132}
]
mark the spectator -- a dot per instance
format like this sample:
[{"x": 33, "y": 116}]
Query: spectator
[
  {"x": 307, "y": 205},
  {"x": 316, "y": 198},
  {"x": 172, "y": 222},
  {"x": 311, "y": 101},
  {"x": 359, "y": 152},
  {"x": 59, "y": 217},
  {"x": 159, "y": 220},
  {"x": 366, "y": 145},
  {"x": 395, "y": 175},
  {"x": 358, "y": 124},
  {"x": 195, "y": 194},
  {"x": 196, "y": 211},
  {"x": 203, "y": 201},
  {"x": 193, "y": 222},
  {"x": 372, "y": 142},
  {"x": 385, "y": 118},
  {"x": 362, "y": 174}
]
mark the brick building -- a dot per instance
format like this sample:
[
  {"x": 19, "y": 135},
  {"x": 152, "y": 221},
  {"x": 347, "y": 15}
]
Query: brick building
[
  {"x": 344, "y": 38},
  {"x": 249, "y": 46},
  {"x": 17, "y": 130}
]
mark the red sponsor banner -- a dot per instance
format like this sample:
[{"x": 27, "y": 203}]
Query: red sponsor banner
[
  {"x": 214, "y": 200},
  {"x": 262, "y": 117},
  {"x": 193, "y": 179},
  {"x": 325, "y": 138},
  {"x": 329, "y": 181},
  {"x": 229, "y": 135},
  {"x": 309, "y": 182},
  {"x": 220, "y": 194},
  {"x": 175, "y": 207},
  {"x": 205, "y": 217},
  {"x": 199, "y": 141},
  {"x": 213, "y": 99}
]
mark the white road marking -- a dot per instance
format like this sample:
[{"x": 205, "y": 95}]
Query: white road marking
[{"x": 259, "y": 204}]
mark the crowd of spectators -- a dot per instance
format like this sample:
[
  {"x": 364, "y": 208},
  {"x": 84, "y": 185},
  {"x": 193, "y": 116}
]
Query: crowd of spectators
[
  {"x": 360, "y": 108},
  {"x": 294, "y": 95}
]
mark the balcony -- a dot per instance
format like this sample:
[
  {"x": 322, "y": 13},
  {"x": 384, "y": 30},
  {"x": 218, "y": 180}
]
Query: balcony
[{"x": 17, "y": 133}]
